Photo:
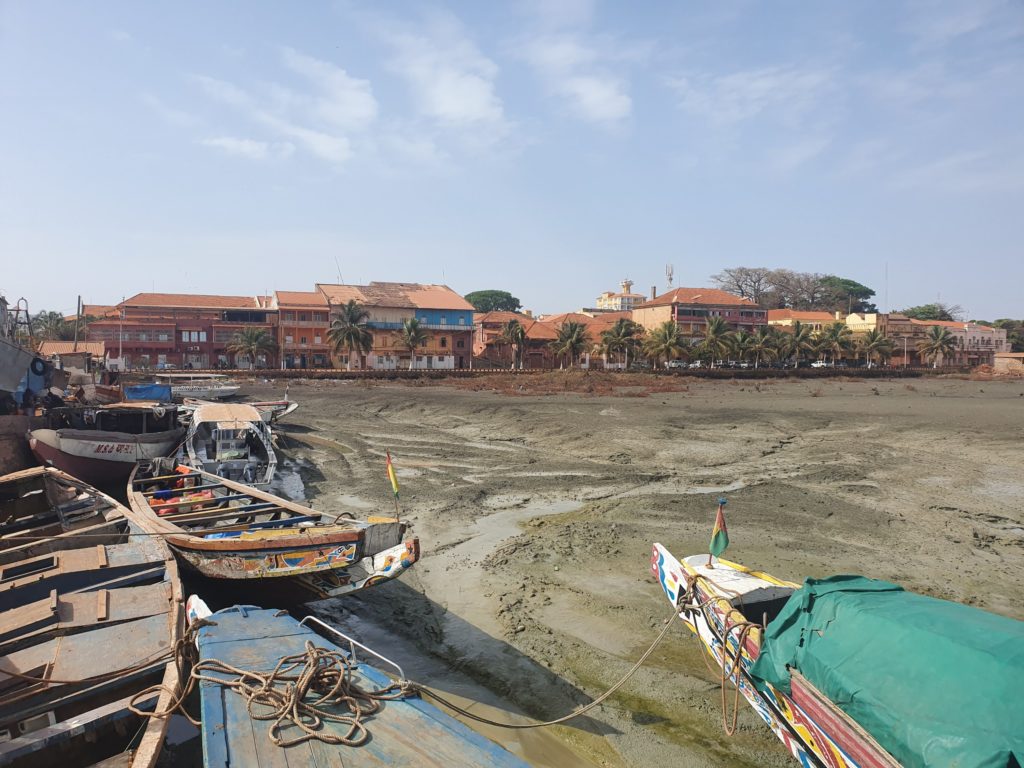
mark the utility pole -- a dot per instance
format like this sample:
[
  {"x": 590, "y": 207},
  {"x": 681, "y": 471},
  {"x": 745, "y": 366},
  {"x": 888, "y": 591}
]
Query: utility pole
[{"x": 78, "y": 322}]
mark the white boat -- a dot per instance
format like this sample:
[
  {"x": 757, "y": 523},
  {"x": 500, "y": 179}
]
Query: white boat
[
  {"x": 232, "y": 441},
  {"x": 101, "y": 444},
  {"x": 203, "y": 386}
]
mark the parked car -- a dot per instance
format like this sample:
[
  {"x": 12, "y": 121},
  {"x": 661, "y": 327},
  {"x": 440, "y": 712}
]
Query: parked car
[
  {"x": 819, "y": 364},
  {"x": 675, "y": 364},
  {"x": 697, "y": 364}
]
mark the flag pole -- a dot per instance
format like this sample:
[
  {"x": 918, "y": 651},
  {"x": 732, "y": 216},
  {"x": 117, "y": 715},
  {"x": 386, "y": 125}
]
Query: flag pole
[
  {"x": 393, "y": 477},
  {"x": 718, "y": 531}
]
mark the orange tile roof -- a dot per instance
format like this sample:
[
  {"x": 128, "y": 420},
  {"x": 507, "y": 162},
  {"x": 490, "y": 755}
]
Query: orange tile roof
[
  {"x": 412, "y": 295},
  {"x": 50, "y": 348},
  {"x": 300, "y": 299},
  {"x": 192, "y": 301},
  {"x": 499, "y": 316},
  {"x": 803, "y": 316},
  {"x": 709, "y": 296}
]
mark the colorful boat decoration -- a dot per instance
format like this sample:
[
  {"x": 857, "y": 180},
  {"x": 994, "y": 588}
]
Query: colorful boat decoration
[
  {"x": 90, "y": 611},
  {"x": 400, "y": 730},
  {"x": 232, "y": 441},
  {"x": 227, "y": 530},
  {"x": 102, "y": 444},
  {"x": 867, "y": 642}
]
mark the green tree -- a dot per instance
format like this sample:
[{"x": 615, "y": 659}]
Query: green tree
[
  {"x": 936, "y": 311},
  {"x": 937, "y": 343},
  {"x": 514, "y": 334},
  {"x": 572, "y": 339},
  {"x": 621, "y": 338},
  {"x": 717, "y": 338},
  {"x": 875, "y": 344},
  {"x": 846, "y": 295},
  {"x": 665, "y": 343},
  {"x": 411, "y": 337},
  {"x": 836, "y": 340},
  {"x": 763, "y": 345},
  {"x": 51, "y": 326},
  {"x": 350, "y": 330},
  {"x": 493, "y": 301},
  {"x": 252, "y": 343}
]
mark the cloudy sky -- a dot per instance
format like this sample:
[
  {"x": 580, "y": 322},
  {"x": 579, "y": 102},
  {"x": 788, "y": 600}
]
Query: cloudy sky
[{"x": 550, "y": 148}]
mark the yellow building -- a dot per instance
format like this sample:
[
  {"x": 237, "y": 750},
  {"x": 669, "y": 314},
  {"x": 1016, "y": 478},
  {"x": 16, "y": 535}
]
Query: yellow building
[
  {"x": 620, "y": 302},
  {"x": 785, "y": 318}
]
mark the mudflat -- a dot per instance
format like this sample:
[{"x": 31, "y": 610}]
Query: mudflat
[{"x": 536, "y": 507}]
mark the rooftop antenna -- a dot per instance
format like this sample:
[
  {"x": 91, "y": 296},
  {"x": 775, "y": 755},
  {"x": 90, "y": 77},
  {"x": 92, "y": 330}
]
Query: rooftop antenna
[
  {"x": 338, "y": 266},
  {"x": 887, "y": 307},
  {"x": 669, "y": 274}
]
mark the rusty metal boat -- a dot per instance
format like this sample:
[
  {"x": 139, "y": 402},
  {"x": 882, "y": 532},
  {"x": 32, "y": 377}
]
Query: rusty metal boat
[
  {"x": 90, "y": 611},
  {"x": 226, "y": 530}
]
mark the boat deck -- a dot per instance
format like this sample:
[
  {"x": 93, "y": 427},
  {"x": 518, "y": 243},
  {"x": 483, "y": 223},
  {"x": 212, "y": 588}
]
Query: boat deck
[{"x": 407, "y": 732}]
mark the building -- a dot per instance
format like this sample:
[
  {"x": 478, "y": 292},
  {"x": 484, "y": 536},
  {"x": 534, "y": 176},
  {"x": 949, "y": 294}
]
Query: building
[
  {"x": 784, "y": 318},
  {"x": 690, "y": 308},
  {"x": 898, "y": 328},
  {"x": 492, "y": 350},
  {"x": 622, "y": 301},
  {"x": 488, "y": 328},
  {"x": 976, "y": 344},
  {"x": 303, "y": 322},
  {"x": 442, "y": 313},
  {"x": 174, "y": 330},
  {"x": 71, "y": 355}
]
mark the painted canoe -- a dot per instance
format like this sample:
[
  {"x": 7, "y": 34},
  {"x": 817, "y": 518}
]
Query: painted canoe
[
  {"x": 101, "y": 445},
  {"x": 227, "y": 530},
  {"x": 403, "y": 732},
  {"x": 77, "y": 581}
]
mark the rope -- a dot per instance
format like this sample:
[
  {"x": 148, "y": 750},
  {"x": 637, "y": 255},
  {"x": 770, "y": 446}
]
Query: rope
[{"x": 574, "y": 714}]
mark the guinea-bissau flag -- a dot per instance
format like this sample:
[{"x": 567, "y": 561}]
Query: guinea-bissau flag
[
  {"x": 391, "y": 475},
  {"x": 720, "y": 534}
]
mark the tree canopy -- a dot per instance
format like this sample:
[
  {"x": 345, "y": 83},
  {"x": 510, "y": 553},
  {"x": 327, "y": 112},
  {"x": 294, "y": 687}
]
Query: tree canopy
[
  {"x": 936, "y": 311},
  {"x": 784, "y": 288},
  {"x": 493, "y": 301}
]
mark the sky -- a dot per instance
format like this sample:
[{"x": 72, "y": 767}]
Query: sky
[{"x": 551, "y": 148}]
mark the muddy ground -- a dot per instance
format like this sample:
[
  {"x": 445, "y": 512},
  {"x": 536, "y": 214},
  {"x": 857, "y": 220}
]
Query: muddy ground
[{"x": 536, "y": 515}]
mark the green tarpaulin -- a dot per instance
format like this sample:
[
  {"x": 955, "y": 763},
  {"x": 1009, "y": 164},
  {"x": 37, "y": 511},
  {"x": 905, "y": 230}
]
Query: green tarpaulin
[{"x": 935, "y": 683}]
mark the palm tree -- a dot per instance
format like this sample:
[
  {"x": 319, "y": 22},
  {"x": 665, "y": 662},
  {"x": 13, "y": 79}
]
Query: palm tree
[
  {"x": 938, "y": 342},
  {"x": 514, "y": 335},
  {"x": 800, "y": 340},
  {"x": 873, "y": 343},
  {"x": 620, "y": 338},
  {"x": 837, "y": 339},
  {"x": 665, "y": 342},
  {"x": 252, "y": 343},
  {"x": 740, "y": 343},
  {"x": 412, "y": 336},
  {"x": 716, "y": 338},
  {"x": 763, "y": 345},
  {"x": 49, "y": 325},
  {"x": 350, "y": 330},
  {"x": 572, "y": 339}
]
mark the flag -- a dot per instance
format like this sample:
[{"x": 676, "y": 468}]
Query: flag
[
  {"x": 720, "y": 534},
  {"x": 392, "y": 476}
]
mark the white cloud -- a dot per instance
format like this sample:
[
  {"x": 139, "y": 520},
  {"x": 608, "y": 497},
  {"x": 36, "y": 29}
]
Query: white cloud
[
  {"x": 250, "y": 149},
  {"x": 734, "y": 98},
  {"x": 169, "y": 114},
  {"x": 342, "y": 100},
  {"x": 452, "y": 81}
]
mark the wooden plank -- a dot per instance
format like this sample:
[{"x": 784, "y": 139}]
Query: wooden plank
[
  {"x": 102, "y": 605},
  {"x": 101, "y": 556}
]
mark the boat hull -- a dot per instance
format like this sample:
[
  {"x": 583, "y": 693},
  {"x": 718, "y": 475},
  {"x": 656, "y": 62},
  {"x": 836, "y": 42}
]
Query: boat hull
[
  {"x": 99, "y": 457},
  {"x": 368, "y": 572}
]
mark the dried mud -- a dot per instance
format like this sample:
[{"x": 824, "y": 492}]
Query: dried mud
[{"x": 536, "y": 515}]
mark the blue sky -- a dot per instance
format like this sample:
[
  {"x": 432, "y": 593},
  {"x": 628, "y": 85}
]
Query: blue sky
[{"x": 547, "y": 148}]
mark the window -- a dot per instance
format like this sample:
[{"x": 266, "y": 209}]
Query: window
[
  {"x": 162, "y": 337},
  {"x": 316, "y": 340},
  {"x": 302, "y": 340},
  {"x": 143, "y": 336},
  {"x": 195, "y": 335},
  {"x": 444, "y": 342},
  {"x": 461, "y": 343},
  {"x": 462, "y": 321},
  {"x": 444, "y": 320},
  {"x": 423, "y": 343},
  {"x": 184, "y": 335},
  {"x": 287, "y": 339},
  {"x": 202, "y": 335},
  {"x": 289, "y": 317},
  {"x": 320, "y": 317},
  {"x": 303, "y": 317}
]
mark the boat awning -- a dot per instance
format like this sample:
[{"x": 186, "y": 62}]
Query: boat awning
[{"x": 227, "y": 415}]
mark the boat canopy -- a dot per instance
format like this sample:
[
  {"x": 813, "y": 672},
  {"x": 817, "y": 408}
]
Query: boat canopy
[
  {"x": 934, "y": 682},
  {"x": 158, "y": 392},
  {"x": 227, "y": 415}
]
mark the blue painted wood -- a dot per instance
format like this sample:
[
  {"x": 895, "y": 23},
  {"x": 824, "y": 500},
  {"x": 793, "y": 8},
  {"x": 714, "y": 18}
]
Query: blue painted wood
[{"x": 410, "y": 732}]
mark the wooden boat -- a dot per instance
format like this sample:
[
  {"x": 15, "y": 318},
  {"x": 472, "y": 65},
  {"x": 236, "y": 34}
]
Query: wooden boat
[
  {"x": 851, "y": 672},
  {"x": 227, "y": 530},
  {"x": 89, "y": 615},
  {"x": 231, "y": 441},
  {"x": 101, "y": 445},
  {"x": 205, "y": 386},
  {"x": 403, "y": 731},
  {"x": 271, "y": 411}
]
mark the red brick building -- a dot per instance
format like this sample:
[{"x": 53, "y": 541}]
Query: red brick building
[
  {"x": 303, "y": 321},
  {"x": 156, "y": 330}
]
